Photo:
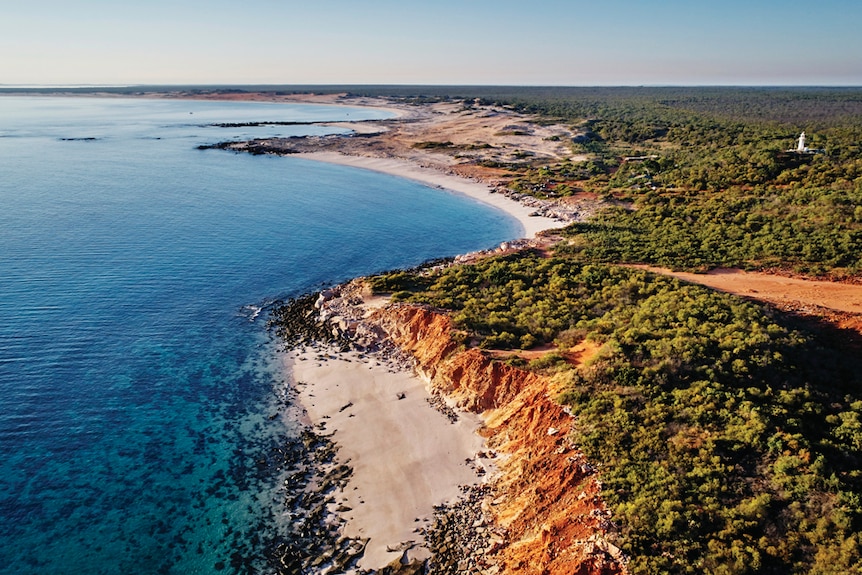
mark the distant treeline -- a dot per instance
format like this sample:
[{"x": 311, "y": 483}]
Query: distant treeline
[{"x": 795, "y": 105}]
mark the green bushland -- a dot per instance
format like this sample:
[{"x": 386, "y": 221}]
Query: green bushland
[
  {"x": 807, "y": 230},
  {"x": 729, "y": 436}
]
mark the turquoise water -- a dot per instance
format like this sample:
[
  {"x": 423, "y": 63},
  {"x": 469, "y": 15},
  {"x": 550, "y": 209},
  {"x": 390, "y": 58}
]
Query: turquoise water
[{"x": 141, "y": 394}]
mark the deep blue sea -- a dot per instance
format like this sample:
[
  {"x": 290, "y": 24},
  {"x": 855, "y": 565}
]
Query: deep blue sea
[{"x": 139, "y": 387}]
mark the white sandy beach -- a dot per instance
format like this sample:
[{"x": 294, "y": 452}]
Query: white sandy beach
[
  {"x": 478, "y": 191},
  {"x": 406, "y": 456}
]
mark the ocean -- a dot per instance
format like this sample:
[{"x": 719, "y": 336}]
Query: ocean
[{"x": 142, "y": 395}]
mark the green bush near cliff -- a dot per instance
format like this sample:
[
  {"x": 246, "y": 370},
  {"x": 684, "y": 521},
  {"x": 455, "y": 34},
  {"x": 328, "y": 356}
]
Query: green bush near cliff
[{"x": 729, "y": 436}]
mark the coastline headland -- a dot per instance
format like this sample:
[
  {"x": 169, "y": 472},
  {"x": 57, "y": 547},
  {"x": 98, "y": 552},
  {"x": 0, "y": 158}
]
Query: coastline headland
[{"x": 458, "y": 464}]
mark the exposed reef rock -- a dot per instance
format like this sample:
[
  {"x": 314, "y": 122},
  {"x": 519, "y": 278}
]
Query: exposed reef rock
[{"x": 311, "y": 477}]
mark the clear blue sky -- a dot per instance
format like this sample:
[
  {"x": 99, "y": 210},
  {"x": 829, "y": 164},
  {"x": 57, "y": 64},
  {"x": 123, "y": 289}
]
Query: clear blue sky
[{"x": 526, "y": 42}]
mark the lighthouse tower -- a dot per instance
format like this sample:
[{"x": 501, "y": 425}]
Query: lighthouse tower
[{"x": 800, "y": 144}]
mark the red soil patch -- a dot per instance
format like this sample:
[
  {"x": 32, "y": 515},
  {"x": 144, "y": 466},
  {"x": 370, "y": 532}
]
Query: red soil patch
[{"x": 578, "y": 355}]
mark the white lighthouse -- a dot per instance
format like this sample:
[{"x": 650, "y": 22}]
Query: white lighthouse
[{"x": 800, "y": 143}]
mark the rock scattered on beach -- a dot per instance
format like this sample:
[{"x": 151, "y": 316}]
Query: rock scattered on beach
[
  {"x": 463, "y": 538},
  {"x": 312, "y": 479}
]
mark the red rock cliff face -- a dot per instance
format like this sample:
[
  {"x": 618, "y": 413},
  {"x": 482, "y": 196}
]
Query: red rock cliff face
[
  {"x": 467, "y": 376},
  {"x": 546, "y": 496}
]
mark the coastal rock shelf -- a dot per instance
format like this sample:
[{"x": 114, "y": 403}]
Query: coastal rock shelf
[
  {"x": 534, "y": 504},
  {"x": 309, "y": 488}
]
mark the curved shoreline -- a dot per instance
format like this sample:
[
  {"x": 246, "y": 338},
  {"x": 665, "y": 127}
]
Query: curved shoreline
[
  {"x": 397, "y": 146},
  {"x": 530, "y": 224},
  {"x": 407, "y": 458}
]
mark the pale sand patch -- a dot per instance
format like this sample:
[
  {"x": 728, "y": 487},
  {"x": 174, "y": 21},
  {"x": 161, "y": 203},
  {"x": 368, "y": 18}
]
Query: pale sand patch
[
  {"x": 478, "y": 191},
  {"x": 406, "y": 456}
]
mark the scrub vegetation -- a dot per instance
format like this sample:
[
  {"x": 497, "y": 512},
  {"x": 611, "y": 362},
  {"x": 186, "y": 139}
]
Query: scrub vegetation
[
  {"x": 728, "y": 434},
  {"x": 699, "y": 177}
]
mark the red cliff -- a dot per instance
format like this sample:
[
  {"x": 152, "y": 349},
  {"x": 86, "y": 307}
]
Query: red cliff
[{"x": 546, "y": 496}]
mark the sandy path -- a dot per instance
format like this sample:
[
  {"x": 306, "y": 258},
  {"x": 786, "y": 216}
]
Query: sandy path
[{"x": 406, "y": 456}]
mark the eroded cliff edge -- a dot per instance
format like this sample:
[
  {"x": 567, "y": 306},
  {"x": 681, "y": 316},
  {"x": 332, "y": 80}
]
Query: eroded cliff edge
[{"x": 544, "y": 501}]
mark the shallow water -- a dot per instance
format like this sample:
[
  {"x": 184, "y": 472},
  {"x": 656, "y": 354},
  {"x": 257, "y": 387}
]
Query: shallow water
[{"x": 141, "y": 394}]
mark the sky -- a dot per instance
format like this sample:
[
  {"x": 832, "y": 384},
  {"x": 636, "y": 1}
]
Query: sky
[{"x": 476, "y": 42}]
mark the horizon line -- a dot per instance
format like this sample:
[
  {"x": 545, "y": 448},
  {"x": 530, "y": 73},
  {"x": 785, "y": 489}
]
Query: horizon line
[{"x": 80, "y": 86}]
